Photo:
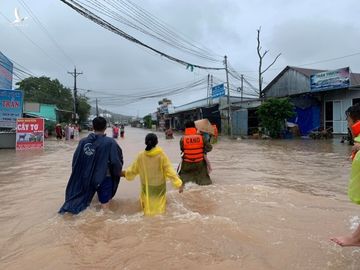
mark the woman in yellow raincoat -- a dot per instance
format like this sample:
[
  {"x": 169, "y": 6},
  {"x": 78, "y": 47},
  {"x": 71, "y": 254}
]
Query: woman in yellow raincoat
[{"x": 154, "y": 168}]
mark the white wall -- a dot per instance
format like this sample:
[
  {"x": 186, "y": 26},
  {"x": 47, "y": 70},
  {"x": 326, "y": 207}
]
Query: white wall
[{"x": 345, "y": 98}]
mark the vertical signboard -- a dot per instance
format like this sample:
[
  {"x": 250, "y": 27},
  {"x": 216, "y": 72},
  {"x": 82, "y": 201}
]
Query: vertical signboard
[
  {"x": 11, "y": 105},
  {"x": 30, "y": 133},
  {"x": 6, "y": 72}
]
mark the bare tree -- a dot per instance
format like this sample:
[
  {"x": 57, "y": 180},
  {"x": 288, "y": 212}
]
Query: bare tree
[{"x": 261, "y": 57}]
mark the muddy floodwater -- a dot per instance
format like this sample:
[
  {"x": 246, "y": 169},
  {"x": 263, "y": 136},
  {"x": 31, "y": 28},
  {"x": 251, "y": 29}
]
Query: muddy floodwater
[{"x": 273, "y": 205}]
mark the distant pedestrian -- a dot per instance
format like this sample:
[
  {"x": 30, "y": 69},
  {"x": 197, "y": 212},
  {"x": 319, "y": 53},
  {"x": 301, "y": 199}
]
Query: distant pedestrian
[
  {"x": 58, "y": 132},
  {"x": 96, "y": 168},
  {"x": 122, "y": 131},
  {"x": 115, "y": 131},
  {"x": 214, "y": 138},
  {"x": 169, "y": 134},
  {"x": 71, "y": 131},
  {"x": 76, "y": 132},
  {"x": 67, "y": 132},
  {"x": 154, "y": 168}
]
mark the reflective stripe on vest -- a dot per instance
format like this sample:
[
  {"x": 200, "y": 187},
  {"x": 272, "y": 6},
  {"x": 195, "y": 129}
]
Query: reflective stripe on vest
[{"x": 193, "y": 148}]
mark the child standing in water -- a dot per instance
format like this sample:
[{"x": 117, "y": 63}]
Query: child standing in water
[
  {"x": 353, "y": 118},
  {"x": 154, "y": 167}
]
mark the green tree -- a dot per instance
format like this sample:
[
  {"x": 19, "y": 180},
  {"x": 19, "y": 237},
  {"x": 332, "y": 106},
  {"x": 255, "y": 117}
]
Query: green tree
[
  {"x": 272, "y": 114},
  {"x": 147, "y": 121},
  {"x": 83, "y": 108},
  {"x": 44, "y": 90}
]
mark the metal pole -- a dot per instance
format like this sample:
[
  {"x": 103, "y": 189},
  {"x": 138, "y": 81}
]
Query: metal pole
[
  {"x": 208, "y": 90},
  {"x": 97, "y": 108},
  {"x": 211, "y": 86},
  {"x": 75, "y": 74},
  {"x": 242, "y": 87},
  {"x": 228, "y": 96}
]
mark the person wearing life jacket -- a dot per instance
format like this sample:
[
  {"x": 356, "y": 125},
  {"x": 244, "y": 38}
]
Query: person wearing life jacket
[
  {"x": 353, "y": 118},
  {"x": 194, "y": 148}
]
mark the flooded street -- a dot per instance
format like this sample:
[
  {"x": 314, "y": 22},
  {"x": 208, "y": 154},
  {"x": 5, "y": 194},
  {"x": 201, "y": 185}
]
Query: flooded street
[{"x": 273, "y": 205}]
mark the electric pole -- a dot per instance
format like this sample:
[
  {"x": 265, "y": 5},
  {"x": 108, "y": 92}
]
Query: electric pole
[
  {"x": 242, "y": 87},
  {"x": 211, "y": 86},
  {"x": 228, "y": 96},
  {"x": 208, "y": 90},
  {"x": 97, "y": 109},
  {"x": 75, "y": 74}
]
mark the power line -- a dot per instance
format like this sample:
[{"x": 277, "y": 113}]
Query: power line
[
  {"x": 129, "y": 99},
  {"x": 162, "y": 30},
  {"x": 43, "y": 28},
  {"x": 33, "y": 42},
  {"x": 176, "y": 33},
  {"x": 311, "y": 63},
  {"x": 146, "y": 23},
  {"x": 103, "y": 23}
]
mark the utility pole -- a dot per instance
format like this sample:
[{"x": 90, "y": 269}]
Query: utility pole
[
  {"x": 228, "y": 96},
  {"x": 242, "y": 87},
  {"x": 211, "y": 86},
  {"x": 208, "y": 89},
  {"x": 75, "y": 74},
  {"x": 97, "y": 108}
]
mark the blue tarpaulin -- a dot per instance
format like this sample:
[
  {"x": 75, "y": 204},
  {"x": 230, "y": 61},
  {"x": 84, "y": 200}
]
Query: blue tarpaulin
[{"x": 307, "y": 119}]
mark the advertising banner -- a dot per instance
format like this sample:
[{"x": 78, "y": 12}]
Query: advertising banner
[
  {"x": 6, "y": 72},
  {"x": 30, "y": 133},
  {"x": 329, "y": 80},
  {"x": 11, "y": 105},
  {"x": 218, "y": 91}
]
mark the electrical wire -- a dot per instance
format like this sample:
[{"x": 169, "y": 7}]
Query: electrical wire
[
  {"x": 34, "y": 43},
  {"x": 145, "y": 23},
  {"x": 105, "y": 24},
  {"x": 43, "y": 28}
]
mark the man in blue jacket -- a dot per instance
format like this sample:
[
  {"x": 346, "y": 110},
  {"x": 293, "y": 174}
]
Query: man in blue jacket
[{"x": 96, "y": 168}]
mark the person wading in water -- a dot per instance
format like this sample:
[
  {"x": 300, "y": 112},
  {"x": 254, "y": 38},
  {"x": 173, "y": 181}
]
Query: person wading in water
[{"x": 194, "y": 148}]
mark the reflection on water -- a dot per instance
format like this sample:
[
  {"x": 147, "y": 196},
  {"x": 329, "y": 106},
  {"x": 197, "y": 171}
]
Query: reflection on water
[{"x": 273, "y": 205}]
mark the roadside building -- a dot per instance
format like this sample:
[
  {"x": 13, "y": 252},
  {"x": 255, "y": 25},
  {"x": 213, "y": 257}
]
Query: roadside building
[
  {"x": 321, "y": 97},
  {"x": 49, "y": 112}
]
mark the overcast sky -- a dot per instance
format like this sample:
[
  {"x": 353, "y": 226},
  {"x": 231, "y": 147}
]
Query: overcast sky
[{"x": 302, "y": 31}]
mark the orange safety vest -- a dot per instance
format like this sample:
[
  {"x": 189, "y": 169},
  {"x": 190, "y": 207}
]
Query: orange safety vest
[{"x": 193, "y": 146}]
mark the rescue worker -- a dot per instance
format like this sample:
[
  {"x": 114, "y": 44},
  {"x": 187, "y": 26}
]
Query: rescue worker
[{"x": 194, "y": 148}]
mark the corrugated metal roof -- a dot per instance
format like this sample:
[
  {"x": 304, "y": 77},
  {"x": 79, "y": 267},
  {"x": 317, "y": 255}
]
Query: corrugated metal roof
[
  {"x": 307, "y": 71},
  {"x": 354, "y": 77}
]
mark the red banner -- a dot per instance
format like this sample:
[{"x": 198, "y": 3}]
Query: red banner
[{"x": 29, "y": 133}]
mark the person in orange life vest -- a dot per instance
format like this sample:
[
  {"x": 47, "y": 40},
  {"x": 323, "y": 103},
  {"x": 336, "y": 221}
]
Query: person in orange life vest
[{"x": 194, "y": 147}]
